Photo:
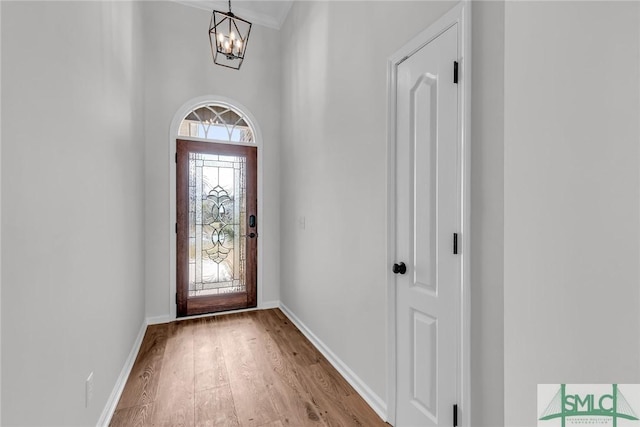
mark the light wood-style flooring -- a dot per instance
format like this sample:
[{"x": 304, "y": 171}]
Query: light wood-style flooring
[{"x": 245, "y": 369}]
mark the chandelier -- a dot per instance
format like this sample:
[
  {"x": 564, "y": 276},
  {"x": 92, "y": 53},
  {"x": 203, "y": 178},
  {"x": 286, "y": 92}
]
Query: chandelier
[{"x": 228, "y": 35}]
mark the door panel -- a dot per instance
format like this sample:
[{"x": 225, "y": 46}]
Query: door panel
[
  {"x": 216, "y": 241},
  {"x": 423, "y": 102},
  {"x": 428, "y": 191},
  {"x": 425, "y": 366}
]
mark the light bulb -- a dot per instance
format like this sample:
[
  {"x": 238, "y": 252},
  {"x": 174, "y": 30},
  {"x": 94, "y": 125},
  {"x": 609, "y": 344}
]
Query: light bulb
[
  {"x": 221, "y": 38},
  {"x": 226, "y": 46},
  {"x": 232, "y": 36}
]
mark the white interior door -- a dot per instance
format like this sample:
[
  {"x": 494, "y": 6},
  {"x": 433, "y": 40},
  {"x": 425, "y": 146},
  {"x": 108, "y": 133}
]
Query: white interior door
[{"x": 428, "y": 213}]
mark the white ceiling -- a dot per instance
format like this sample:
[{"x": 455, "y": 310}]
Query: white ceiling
[{"x": 269, "y": 13}]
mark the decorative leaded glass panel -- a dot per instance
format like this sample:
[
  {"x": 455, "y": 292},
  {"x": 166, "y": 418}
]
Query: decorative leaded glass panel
[
  {"x": 217, "y": 213},
  {"x": 217, "y": 123}
]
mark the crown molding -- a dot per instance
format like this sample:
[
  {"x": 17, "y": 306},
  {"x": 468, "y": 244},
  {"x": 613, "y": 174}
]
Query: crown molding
[{"x": 274, "y": 21}]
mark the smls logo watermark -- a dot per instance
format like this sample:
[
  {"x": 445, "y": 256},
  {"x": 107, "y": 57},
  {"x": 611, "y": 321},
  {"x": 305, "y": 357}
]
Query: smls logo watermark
[{"x": 592, "y": 405}]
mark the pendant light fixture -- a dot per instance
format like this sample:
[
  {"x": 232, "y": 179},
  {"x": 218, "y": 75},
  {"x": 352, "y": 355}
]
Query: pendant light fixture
[{"x": 228, "y": 35}]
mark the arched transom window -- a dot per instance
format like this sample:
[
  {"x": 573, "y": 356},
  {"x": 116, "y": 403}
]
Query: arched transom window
[{"x": 216, "y": 122}]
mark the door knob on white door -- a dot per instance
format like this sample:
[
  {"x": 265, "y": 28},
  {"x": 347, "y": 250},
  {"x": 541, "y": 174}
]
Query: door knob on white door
[{"x": 399, "y": 268}]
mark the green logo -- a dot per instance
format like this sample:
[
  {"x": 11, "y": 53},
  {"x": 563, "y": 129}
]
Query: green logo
[{"x": 588, "y": 407}]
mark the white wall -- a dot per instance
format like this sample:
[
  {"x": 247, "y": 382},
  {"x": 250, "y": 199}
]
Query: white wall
[
  {"x": 571, "y": 194},
  {"x": 72, "y": 206},
  {"x": 487, "y": 214},
  {"x": 334, "y": 171},
  {"x": 178, "y": 59},
  {"x": 0, "y": 215}
]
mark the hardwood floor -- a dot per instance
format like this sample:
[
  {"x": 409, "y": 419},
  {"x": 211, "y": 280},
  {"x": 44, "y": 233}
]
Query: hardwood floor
[{"x": 246, "y": 369}]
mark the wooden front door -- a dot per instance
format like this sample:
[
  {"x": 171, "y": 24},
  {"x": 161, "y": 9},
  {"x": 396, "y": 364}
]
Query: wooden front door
[{"x": 217, "y": 227}]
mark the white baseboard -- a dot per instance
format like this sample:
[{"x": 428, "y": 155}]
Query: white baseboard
[
  {"x": 266, "y": 305},
  {"x": 110, "y": 407},
  {"x": 376, "y": 403},
  {"x": 156, "y": 320}
]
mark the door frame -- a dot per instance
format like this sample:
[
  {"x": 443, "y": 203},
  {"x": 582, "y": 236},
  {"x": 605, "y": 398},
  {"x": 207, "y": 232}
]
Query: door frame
[
  {"x": 460, "y": 14},
  {"x": 173, "y": 136}
]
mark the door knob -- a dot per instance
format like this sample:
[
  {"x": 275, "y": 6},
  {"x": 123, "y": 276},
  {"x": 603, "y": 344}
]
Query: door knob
[{"x": 399, "y": 268}]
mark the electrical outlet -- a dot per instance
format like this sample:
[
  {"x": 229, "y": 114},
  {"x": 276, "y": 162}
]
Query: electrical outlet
[
  {"x": 88, "y": 389},
  {"x": 302, "y": 222}
]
